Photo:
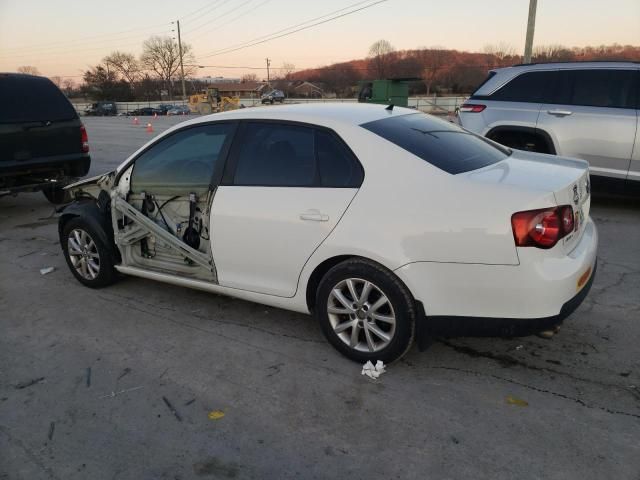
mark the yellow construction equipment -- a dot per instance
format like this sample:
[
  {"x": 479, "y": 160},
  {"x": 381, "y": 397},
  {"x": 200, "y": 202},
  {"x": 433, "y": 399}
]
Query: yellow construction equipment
[{"x": 210, "y": 101}]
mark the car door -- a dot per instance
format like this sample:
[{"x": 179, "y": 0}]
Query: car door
[
  {"x": 593, "y": 117},
  {"x": 162, "y": 209},
  {"x": 285, "y": 188},
  {"x": 634, "y": 166}
]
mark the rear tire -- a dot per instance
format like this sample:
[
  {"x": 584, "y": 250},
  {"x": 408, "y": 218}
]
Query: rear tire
[
  {"x": 88, "y": 258},
  {"x": 365, "y": 311}
]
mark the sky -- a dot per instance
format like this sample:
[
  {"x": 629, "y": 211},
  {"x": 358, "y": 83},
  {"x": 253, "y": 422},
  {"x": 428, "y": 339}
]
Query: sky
[{"x": 65, "y": 37}]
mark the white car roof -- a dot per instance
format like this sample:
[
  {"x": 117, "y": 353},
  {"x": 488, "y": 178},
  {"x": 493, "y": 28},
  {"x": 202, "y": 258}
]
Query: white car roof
[{"x": 324, "y": 114}]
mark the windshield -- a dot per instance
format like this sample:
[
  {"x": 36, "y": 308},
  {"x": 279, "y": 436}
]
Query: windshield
[{"x": 442, "y": 144}]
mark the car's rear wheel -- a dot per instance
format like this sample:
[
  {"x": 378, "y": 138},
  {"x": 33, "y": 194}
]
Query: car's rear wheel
[
  {"x": 89, "y": 259},
  {"x": 365, "y": 311},
  {"x": 56, "y": 194}
]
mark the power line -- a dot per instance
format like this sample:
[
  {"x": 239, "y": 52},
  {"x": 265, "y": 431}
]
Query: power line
[
  {"x": 246, "y": 12},
  {"x": 214, "y": 7},
  {"x": 222, "y": 15},
  {"x": 207, "y": 5},
  {"x": 74, "y": 42},
  {"x": 273, "y": 36}
]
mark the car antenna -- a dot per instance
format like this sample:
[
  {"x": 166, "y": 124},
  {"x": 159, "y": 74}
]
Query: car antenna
[{"x": 390, "y": 107}]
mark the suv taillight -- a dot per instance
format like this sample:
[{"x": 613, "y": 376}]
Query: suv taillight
[
  {"x": 542, "y": 228},
  {"x": 84, "y": 139},
  {"x": 472, "y": 107}
]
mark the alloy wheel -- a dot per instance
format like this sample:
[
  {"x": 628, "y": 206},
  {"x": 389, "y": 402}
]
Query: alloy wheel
[
  {"x": 83, "y": 254},
  {"x": 361, "y": 315}
]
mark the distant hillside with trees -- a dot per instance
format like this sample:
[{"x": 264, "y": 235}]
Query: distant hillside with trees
[{"x": 445, "y": 71}]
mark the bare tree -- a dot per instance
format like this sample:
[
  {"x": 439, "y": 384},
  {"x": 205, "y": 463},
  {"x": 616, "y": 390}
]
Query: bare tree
[
  {"x": 29, "y": 69},
  {"x": 381, "y": 54},
  {"x": 553, "y": 52},
  {"x": 500, "y": 54},
  {"x": 125, "y": 64},
  {"x": 287, "y": 69},
  {"x": 57, "y": 80},
  {"x": 161, "y": 55},
  {"x": 68, "y": 86},
  {"x": 249, "y": 77},
  {"x": 433, "y": 61}
]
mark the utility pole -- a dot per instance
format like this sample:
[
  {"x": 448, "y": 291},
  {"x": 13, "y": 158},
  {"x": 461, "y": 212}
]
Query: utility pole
[
  {"x": 268, "y": 63},
  {"x": 184, "y": 90},
  {"x": 531, "y": 26}
]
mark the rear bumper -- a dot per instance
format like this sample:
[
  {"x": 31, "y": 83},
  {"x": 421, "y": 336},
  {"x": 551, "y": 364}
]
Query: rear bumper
[
  {"x": 510, "y": 299},
  {"x": 75, "y": 165},
  {"x": 455, "y": 326}
]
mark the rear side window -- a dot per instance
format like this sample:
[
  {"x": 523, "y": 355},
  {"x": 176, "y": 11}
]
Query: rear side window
[
  {"x": 337, "y": 167},
  {"x": 530, "y": 87},
  {"x": 286, "y": 155},
  {"x": 440, "y": 143},
  {"x": 26, "y": 98},
  {"x": 598, "y": 88},
  {"x": 276, "y": 155}
]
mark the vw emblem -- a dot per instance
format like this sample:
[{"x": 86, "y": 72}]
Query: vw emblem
[{"x": 576, "y": 197}]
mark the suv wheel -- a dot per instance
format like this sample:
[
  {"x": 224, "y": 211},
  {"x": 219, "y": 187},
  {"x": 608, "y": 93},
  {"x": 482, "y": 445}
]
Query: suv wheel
[{"x": 365, "y": 312}]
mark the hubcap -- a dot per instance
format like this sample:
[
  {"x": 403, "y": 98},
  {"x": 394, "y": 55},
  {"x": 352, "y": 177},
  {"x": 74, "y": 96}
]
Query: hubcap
[
  {"x": 361, "y": 315},
  {"x": 83, "y": 254}
]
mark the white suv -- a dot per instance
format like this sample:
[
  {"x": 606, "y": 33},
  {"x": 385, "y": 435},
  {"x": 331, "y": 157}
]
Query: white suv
[{"x": 586, "y": 110}]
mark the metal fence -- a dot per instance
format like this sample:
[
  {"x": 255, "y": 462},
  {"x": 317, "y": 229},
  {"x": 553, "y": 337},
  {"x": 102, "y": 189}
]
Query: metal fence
[{"x": 432, "y": 104}]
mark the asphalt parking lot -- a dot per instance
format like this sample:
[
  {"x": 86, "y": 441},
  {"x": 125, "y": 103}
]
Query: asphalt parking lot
[{"x": 150, "y": 381}]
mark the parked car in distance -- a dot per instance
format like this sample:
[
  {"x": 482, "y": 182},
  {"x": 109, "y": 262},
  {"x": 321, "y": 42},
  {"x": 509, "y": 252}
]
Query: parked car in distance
[
  {"x": 273, "y": 96},
  {"x": 179, "y": 110},
  {"x": 164, "y": 108},
  {"x": 43, "y": 144},
  {"x": 586, "y": 110},
  {"x": 145, "y": 112},
  {"x": 101, "y": 109},
  {"x": 384, "y": 223}
]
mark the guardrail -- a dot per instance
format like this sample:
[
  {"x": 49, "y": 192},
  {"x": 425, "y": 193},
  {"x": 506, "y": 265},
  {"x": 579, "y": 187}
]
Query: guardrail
[{"x": 431, "y": 104}]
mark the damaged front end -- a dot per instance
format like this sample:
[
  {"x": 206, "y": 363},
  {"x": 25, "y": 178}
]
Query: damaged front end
[{"x": 160, "y": 231}]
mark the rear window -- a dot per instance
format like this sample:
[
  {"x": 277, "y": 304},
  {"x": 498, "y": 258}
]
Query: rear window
[
  {"x": 25, "y": 98},
  {"x": 442, "y": 144},
  {"x": 531, "y": 87}
]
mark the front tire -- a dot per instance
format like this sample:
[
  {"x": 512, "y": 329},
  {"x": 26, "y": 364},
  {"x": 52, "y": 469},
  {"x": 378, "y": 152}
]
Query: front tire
[
  {"x": 365, "y": 311},
  {"x": 88, "y": 258}
]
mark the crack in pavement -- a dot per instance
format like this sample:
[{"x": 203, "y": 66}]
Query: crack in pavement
[
  {"x": 509, "y": 361},
  {"x": 536, "y": 389},
  {"x": 28, "y": 452}
]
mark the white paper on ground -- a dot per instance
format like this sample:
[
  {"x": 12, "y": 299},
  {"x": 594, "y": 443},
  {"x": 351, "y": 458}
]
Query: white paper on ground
[{"x": 372, "y": 371}]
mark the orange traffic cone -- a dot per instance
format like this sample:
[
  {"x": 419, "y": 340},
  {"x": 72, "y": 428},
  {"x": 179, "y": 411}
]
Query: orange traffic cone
[
  {"x": 149, "y": 128},
  {"x": 136, "y": 121}
]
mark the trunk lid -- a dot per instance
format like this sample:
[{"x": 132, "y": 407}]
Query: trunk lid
[{"x": 567, "y": 179}]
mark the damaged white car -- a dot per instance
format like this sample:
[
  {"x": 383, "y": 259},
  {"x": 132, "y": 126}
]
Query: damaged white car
[{"x": 385, "y": 223}]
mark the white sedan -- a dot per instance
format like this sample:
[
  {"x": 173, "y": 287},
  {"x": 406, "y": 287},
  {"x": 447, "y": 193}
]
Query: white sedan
[{"x": 383, "y": 222}]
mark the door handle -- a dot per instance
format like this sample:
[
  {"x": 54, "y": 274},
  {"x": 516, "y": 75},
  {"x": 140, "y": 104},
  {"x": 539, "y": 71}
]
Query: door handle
[
  {"x": 314, "y": 216},
  {"x": 559, "y": 113}
]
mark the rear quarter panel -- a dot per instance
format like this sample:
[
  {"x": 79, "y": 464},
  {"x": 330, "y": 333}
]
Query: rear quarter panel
[{"x": 408, "y": 211}]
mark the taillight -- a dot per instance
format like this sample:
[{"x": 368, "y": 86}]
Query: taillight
[
  {"x": 84, "y": 139},
  {"x": 542, "y": 228},
  {"x": 472, "y": 107}
]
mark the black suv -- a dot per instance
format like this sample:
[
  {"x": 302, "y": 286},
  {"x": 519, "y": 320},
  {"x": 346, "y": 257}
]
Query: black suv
[{"x": 43, "y": 144}]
